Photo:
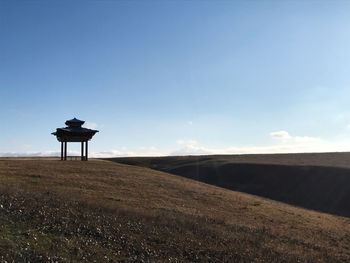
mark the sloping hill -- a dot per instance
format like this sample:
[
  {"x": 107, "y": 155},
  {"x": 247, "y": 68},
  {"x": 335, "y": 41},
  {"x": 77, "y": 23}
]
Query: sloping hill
[
  {"x": 52, "y": 211},
  {"x": 334, "y": 159},
  {"x": 319, "y": 181}
]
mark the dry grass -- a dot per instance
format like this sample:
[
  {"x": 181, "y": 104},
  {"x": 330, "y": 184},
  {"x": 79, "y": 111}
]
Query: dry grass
[
  {"x": 331, "y": 159},
  {"x": 107, "y": 212},
  {"x": 317, "y": 181}
]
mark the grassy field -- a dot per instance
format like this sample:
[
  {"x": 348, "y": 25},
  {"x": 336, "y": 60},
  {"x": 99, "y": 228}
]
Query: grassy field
[
  {"x": 318, "y": 181},
  {"x": 334, "y": 159},
  {"x": 100, "y": 211}
]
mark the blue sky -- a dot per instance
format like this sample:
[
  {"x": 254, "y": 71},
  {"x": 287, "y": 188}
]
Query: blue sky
[{"x": 176, "y": 77}]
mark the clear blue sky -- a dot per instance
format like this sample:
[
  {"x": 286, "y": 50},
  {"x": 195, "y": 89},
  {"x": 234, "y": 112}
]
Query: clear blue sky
[{"x": 176, "y": 77}]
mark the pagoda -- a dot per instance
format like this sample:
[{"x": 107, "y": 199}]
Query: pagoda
[{"x": 74, "y": 132}]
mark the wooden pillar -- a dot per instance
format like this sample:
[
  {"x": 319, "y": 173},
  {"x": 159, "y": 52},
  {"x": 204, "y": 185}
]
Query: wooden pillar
[
  {"x": 82, "y": 151},
  {"x": 86, "y": 151},
  {"x": 61, "y": 151},
  {"x": 65, "y": 151}
]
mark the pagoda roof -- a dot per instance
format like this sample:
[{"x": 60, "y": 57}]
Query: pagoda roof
[
  {"x": 74, "y": 122},
  {"x": 74, "y": 131},
  {"x": 77, "y": 130}
]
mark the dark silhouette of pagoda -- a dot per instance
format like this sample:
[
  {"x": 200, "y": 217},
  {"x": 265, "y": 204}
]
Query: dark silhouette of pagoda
[{"x": 74, "y": 133}]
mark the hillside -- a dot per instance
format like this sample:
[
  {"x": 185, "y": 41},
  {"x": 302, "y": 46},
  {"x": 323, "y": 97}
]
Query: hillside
[
  {"x": 318, "y": 181},
  {"x": 52, "y": 211}
]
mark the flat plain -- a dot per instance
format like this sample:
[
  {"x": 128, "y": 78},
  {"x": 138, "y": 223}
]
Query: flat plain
[{"x": 102, "y": 211}]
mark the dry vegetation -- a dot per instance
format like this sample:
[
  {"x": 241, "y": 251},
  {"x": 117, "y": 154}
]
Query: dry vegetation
[
  {"x": 317, "y": 181},
  {"x": 332, "y": 159},
  {"x": 52, "y": 211}
]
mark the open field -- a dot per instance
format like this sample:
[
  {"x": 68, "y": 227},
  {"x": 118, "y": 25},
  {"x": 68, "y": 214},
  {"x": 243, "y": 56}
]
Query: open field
[
  {"x": 52, "y": 211},
  {"x": 318, "y": 181},
  {"x": 336, "y": 159}
]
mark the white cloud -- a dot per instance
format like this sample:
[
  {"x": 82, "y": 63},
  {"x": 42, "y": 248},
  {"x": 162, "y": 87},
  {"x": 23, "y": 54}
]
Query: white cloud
[
  {"x": 284, "y": 136},
  {"x": 186, "y": 142},
  {"x": 111, "y": 153},
  {"x": 191, "y": 142},
  {"x": 285, "y": 143},
  {"x": 191, "y": 150},
  {"x": 189, "y": 122},
  {"x": 35, "y": 154},
  {"x": 90, "y": 125},
  {"x": 280, "y": 148},
  {"x": 190, "y": 147},
  {"x": 151, "y": 148},
  {"x": 180, "y": 141},
  {"x": 150, "y": 151},
  {"x": 146, "y": 151},
  {"x": 280, "y": 135},
  {"x": 307, "y": 139}
]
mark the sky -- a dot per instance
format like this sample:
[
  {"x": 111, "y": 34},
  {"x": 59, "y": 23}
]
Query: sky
[{"x": 176, "y": 77}]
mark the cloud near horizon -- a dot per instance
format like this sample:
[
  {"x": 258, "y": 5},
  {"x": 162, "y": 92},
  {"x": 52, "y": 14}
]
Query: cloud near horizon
[
  {"x": 90, "y": 125},
  {"x": 280, "y": 135},
  {"x": 284, "y": 136},
  {"x": 285, "y": 143}
]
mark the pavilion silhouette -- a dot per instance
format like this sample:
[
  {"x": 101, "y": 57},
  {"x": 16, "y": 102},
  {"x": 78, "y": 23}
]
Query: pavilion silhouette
[{"x": 74, "y": 132}]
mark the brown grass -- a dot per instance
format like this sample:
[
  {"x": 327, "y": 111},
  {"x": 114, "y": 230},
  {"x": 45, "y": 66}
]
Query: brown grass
[
  {"x": 331, "y": 159},
  {"x": 107, "y": 212},
  {"x": 317, "y": 181}
]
